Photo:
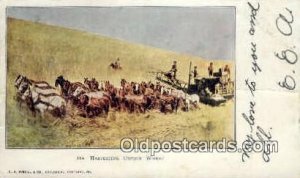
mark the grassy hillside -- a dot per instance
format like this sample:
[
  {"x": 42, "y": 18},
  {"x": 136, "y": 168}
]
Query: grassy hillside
[{"x": 43, "y": 52}]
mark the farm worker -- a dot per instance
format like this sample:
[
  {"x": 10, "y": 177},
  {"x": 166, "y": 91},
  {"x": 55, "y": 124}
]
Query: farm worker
[
  {"x": 227, "y": 70},
  {"x": 220, "y": 72},
  {"x": 174, "y": 69},
  {"x": 210, "y": 69},
  {"x": 195, "y": 72}
]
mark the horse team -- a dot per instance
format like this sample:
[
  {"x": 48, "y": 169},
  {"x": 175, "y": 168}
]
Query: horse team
[
  {"x": 40, "y": 96},
  {"x": 92, "y": 98}
]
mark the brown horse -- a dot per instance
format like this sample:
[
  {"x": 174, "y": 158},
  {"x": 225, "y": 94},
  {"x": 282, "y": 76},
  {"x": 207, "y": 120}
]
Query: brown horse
[
  {"x": 92, "y": 84},
  {"x": 167, "y": 100},
  {"x": 94, "y": 106},
  {"x": 68, "y": 88},
  {"x": 127, "y": 87},
  {"x": 97, "y": 106},
  {"x": 136, "y": 103}
]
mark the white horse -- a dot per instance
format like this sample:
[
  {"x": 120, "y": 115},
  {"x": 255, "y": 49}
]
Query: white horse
[
  {"x": 20, "y": 79},
  {"x": 52, "y": 102},
  {"x": 192, "y": 99},
  {"x": 45, "y": 90},
  {"x": 178, "y": 93},
  {"x": 166, "y": 90},
  {"x": 136, "y": 87},
  {"x": 101, "y": 85}
]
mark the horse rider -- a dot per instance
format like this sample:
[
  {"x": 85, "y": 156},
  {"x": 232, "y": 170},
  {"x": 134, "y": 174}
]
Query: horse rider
[
  {"x": 210, "y": 69},
  {"x": 195, "y": 72},
  {"x": 174, "y": 69},
  {"x": 117, "y": 63}
]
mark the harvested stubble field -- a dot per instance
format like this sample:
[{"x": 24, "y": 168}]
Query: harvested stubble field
[{"x": 43, "y": 52}]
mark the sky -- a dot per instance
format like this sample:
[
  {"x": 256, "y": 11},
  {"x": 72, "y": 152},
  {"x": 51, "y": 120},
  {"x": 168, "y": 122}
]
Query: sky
[{"x": 207, "y": 32}]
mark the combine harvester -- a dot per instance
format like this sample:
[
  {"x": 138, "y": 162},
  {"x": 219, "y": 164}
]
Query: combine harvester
[{"x": 213, "y": 90}]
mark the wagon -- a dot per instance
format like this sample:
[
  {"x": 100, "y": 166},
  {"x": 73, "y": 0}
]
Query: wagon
[{"x": 212, "y": 90}]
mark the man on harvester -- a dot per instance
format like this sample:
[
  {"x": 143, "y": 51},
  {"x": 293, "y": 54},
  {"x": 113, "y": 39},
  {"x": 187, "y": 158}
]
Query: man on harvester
[
  {"x": 210, "y": 69},
  {"x": 195, "y": 72},
  {"x": 171, "y": 74},
  {"x": 174, "y": 69}
]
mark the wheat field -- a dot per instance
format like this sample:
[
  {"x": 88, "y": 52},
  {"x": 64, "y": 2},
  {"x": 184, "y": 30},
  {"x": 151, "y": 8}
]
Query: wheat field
[{"x": 43, "y": 52}]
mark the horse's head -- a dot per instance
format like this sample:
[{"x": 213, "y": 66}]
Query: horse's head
[
  {"x": 59, "y": 81},
  {"x": 95, "y": 81},
  {"x": 22, "y": 84},
  {"x": 19, "y": 80},
  {"x": 86, "y": 80},
  {"x": 27, "y": 80},
  {"x": 23, "y": 87},
  {"x": 123, "y": 81},
  {"x": 19, "y": 76}
]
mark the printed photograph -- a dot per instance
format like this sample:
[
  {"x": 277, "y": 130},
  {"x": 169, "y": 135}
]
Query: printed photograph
[{"x": 87, "y": 77}]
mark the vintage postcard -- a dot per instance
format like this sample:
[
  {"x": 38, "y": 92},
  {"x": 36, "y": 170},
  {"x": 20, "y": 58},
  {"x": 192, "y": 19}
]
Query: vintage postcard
[{"x": 149, "y": 89}]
